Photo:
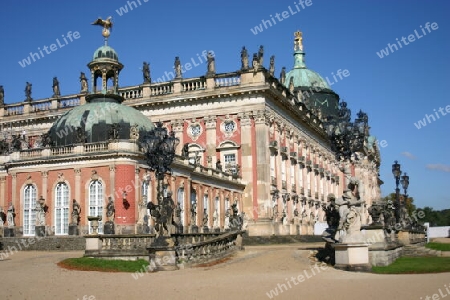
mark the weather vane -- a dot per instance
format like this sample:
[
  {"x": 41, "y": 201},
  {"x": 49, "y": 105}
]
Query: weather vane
[
  {"x": 107, "y": 26},
  {"x": 298, "y": 41}
]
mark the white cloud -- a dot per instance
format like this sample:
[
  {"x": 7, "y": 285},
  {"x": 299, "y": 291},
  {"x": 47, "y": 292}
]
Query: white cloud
[
  {"x": 438, "y": 167},
  {"x": 408, "y": 155}
]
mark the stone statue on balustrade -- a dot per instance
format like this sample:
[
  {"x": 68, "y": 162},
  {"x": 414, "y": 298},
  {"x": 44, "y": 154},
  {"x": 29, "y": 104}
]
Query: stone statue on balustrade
[
  {"x": 109, "y": 227},
  {"x": 272, "y": 66},
  {"x": 215, "y": 219},
  {"x": 142, "y": 210},
  {"x": 55, "y": 86},
  {"x": 194, "y": 214},
  {"x": 76, "y": 212},
  {"x": 226, "y": 225},
  {"x": 244, "y": 59},
  {"x": 146, "y": 72},
  {"x": 332, "y": 217},
  {"x": 2, "y": 217},
  {"x": 40, "y": 210},
  {"x": 255, "y": 63},
  {"x": 84, "y": 83},
  {"x": 177, "y": 67},
  {"x": 2, "y": 96},
  {"x": 211, "y": 64},
  {"x": 261, "y": 55},
  {"x": 350, "y": 210},
  {"x": 28, "y": 90},
  {"x": 283, "y": 75},
  {"x": 10, "y": 215},
  {"x": 177, "y": 215},
  {"x": 185, "y": 151}
]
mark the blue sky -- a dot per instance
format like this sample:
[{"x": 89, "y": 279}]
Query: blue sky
[{"x": 396, "y": 91}]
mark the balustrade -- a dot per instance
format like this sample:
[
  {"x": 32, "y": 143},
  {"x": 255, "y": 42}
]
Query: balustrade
[
  {"x": 161, "y": 89},
  {"x": 194, "y": 85},
  {"x": 228, "y": 81},
  {"x": 131, "y": 93}
]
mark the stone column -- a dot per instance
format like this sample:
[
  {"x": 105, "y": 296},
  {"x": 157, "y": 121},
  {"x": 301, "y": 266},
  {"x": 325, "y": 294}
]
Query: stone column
[
  {"x": 249, "y": 205},
  {"x": 177, "y": 127},
  {"x": 44, "y": 175},
  {"x": 211, "y": 138}
]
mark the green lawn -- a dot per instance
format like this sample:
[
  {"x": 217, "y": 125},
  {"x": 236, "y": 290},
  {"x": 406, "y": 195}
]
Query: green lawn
[
  {"x": 438, "y": 246},
  {"x": 103, "y": 265},
  {"x": 416, "y": 265}
]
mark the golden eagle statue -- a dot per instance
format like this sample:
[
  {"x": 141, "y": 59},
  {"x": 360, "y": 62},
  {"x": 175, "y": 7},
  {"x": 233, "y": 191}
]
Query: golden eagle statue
[{"x": 106, "y": 24}]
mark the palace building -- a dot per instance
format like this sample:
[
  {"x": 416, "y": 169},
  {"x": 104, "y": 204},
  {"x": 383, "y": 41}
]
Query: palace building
[{"x": 278, "y": 148}]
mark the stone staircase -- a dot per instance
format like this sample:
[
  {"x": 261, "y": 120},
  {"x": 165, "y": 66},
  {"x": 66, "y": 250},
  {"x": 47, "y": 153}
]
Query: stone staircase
[{"x": 414, "y": 250}]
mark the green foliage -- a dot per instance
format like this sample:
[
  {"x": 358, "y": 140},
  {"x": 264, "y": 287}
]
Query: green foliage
[
  {"x": 409, "y": 204},
  {"x": 438, "y": 246},
  {"x": 103, "y": 265},
  {"x": 436, "y": 217},
  {"x": 415, "y": 265}
]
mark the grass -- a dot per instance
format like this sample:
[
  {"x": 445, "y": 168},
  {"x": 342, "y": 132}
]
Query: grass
[
  {"x": 416, "y": 265},
  {"x": 438, "y": 246},
  {"x": 102, "y": 265}
]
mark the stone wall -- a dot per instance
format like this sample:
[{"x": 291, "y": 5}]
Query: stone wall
[
  {"x": 384, "y": 257},
  {"x": 49, "y": 243}
]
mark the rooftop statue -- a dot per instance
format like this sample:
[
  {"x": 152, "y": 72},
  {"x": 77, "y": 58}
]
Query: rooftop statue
[
  {"x": 106, "y": 24},
  {"x": 28, "y": 89},
  {"x": 56, "y": 91},
  {"x": 146, "y": 72},
  {"x": 244, "y": 59},
  {"x": 298, "y": 41}
]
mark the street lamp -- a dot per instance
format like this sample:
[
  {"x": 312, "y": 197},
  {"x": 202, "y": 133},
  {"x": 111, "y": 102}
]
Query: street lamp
[
  {"x": 405, "y": 183},
  {"x": 397, "y": 172},
  {"x": 159, "y": 147}
]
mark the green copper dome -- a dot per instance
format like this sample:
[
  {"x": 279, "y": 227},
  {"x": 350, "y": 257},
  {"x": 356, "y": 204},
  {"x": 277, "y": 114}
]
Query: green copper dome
[
  {"x": 96, "y": 121},
  {"x": 314, "y": 91},
  {"x": 105, "y": 52},
  {"x": 304, "y": 77}
]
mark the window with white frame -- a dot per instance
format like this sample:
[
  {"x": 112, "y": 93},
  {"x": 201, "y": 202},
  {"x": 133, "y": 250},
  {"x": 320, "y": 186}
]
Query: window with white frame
[
  {"x": 283, "y": 170},
  {"x": 180, "y": 200},
  {"x": 272, "y": 166},
  {"x": 300, "y": 176},
  {"x": 29, "y": 213},
  {"x": 96, "y": 202},
  {"x": 62, "y": 209},
  {"x": 205, "y": 202},
  {"x": 230, "y": 162},
  {"x": 217, "y": 205}
]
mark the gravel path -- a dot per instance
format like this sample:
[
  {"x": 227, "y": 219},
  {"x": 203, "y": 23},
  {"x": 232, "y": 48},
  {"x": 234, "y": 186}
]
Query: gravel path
[{"x": 251, "y": 274}]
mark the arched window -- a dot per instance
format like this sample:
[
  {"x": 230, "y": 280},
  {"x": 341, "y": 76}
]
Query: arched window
[
  {"x": 205, "y": 202},
  {"x": 146, "y": 191},
  {"x": 29, "y": 213},
  {"x": 61, "y": 209},
  {"x": 180, "y": 200},
  {"x": 96, "y": 202}
]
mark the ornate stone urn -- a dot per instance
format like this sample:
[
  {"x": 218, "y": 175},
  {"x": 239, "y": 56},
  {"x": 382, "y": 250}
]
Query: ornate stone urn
[{"x": 94, "y": 223}]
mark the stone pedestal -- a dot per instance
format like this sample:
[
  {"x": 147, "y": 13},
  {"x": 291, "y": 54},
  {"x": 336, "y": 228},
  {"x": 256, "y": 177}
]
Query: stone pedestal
[
  {"x": 73, "y": 230},
  {"x": 403, "y": 237},
  {"x": 263, "y": 226},
  {"x": 108, "y": 228},
  {"x": 1, "y": 231},
  {"x": 179, "y": 229},
  {"x": 205, "y": 229},
  {"x": 9, "y": 232},
  {"x": 352, "y": 257},
  {"x": 194, "y": 229},
  {"x": 39, "y": 230},
  {"x": 374, "y": 236},
  {"x": 217, "y": 229},
  {"x": 162, "y": 254}
]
